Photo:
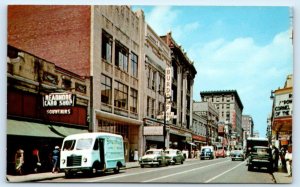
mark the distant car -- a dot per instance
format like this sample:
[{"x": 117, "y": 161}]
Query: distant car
[
  {"x": 220, "y": 152},
  {"x": 237, "y": 155},
  {"x": 260, "y": 156},
  {"x": 174, "y": 156},
  {"x": 228, "y": 154},
  {"x": 154, "y": 157},
  {"x": 207, "y": 152}
]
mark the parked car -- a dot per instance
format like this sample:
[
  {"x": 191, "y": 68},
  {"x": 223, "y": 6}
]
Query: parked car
[
  {"x": 237, "y": 155},
  {"x": 154, "y": 157},
  {"x": 207, "y": 152},
  {"x": 174, "y": 156},
  {"x": 260, "y": 156}
]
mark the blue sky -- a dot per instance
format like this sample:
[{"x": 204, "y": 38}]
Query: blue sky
[{"x": 247, "y": 49}]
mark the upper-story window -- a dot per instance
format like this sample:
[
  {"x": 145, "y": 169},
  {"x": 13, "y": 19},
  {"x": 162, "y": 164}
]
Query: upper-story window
[
  {"x": 106, "y": 47},
  {"x": 121, "y": 95},
  {"x": 161, "y": 82},
  {"x": 106, "y": 89},
  {"x": 66, "y": 84},
  {"x": 121, "y": 60},
  {"x": 133, "y": 100},
  {"x": 134, "y": 65}
]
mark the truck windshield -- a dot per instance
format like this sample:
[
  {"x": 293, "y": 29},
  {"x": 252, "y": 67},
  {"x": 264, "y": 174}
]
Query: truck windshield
[
  {"x": 84, "y": 143},
  {"x": 68, "y": 145}
]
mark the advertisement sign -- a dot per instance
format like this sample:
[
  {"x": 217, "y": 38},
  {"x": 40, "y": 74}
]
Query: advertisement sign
[
  {"x": 58, "y": 103},
  {"x": 153, "y": 130},
  {"x": 283, "y": 105}
]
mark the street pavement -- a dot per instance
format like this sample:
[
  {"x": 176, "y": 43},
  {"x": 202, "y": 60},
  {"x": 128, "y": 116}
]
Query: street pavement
[{"x": 280, "y": 176}]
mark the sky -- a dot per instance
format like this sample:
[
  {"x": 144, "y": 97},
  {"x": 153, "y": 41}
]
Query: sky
[{"x": 241, "y": 48}]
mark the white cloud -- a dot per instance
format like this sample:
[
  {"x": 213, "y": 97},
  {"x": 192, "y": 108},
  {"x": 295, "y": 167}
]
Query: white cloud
[{"x": 161, "y": 19}]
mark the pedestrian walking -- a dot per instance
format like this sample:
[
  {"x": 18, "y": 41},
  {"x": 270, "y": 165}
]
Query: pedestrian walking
[
  {"x": 282, "y": 155},
  {"x": 275, "y": 154},
  {"x": 19, "y": 161},
  {"x": 289, "y": 159},
  {"x": 55, "y": 159},
  {"x": 36, "y": 163},
  {"x": 136, "y": 155}
]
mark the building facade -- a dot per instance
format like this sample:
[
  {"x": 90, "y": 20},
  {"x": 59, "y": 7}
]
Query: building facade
[
  {"x": 282, "y": 114},
  {"x": 157, "y": 58},
  {"x": 45, "y": 103},
  {"x": 211, "y": 115},
  {"x": 103, "y": 43},
  {"x": 230, "y": 111},
  {"x": 182, "y": 76},
  {"x": 248, "y": 126}
]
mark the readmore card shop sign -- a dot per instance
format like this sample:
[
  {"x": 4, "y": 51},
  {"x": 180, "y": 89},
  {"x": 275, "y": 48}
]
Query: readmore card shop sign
[{"x": 58, "y": 103}]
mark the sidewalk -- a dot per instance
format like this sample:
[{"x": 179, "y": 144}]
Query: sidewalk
[
  {"x": 48, "y": 175},
  {"x": 281, "y": 177}
]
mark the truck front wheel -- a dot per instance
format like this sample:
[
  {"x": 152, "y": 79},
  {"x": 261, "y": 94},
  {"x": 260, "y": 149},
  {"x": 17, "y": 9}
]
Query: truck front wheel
[{"x": 117, "y": 169}]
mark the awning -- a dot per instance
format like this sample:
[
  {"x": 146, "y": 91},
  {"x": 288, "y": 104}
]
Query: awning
[
  {"x": 66, "y": 131},
  {"x": 24, "y": 128},
  {"x": 192, "y": 143}
]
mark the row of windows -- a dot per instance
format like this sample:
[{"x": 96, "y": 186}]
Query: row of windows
[
  {"x": 120, "y": 94},
  {"x": 121, "y": 55},
  {"x": 227, "y": 106},
  {"x": 152, "y": 109},
  {"x": 219, "y": 99},
  {"x": 154, "y": 78}
]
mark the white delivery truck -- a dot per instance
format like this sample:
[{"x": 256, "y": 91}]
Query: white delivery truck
[{"x": 92, "y": 152}]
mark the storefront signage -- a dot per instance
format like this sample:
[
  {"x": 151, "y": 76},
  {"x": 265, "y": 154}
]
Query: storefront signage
[
  {"x": 168, "y": 92},
  {"x": 283, "y": 105},
  {"x": 56, "y": 103},
  {"x": 168, "y": 89},
  {"x": 180, "y": 132},
  {"x": 153, "y": 130},
  {"x": 58, "y": 99},
  {"x": 199, "y": 138}
]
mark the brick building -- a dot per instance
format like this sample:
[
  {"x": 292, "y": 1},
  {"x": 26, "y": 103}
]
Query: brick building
[{"x": 102, "y": 43}]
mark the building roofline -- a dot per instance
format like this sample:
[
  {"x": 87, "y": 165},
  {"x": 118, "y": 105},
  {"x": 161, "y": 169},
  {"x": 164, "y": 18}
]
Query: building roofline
[{"x": 219, "y": 92}]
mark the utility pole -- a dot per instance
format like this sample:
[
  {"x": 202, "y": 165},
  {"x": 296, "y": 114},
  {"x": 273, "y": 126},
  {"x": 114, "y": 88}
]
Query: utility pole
[{"x": 165, "y": 120}]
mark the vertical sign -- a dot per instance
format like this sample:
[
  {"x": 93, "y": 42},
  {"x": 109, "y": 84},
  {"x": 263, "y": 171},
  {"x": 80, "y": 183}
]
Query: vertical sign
[{"x": 168, "y": 92}]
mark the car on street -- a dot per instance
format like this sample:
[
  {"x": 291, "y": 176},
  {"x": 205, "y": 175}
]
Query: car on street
[
  {"x": 207, "y": 152},
  {"x": 260, "y": 156},
  {"x": 174, "y": 156},
  {"x": 237, "y": 155},
  {"x": 220, "y": 152},
  {"x": 154, "y": 157}
]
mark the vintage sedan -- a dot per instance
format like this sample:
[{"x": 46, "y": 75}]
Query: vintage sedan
[
  {"x": 237, "y": 155},
  {"x": 174, "y": 156},
  {"x": 154, "y": 157},
  {"x": 260, "y": 156}
]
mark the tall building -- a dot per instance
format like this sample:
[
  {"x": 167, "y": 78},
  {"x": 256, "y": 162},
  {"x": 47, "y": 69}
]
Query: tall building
[
  {"x": 247, "y": 125},
  {"x": 157, "y": 59},
  {"x": 230, "y": 109},
  {"x": 104, "y": 44},
  {"x": 182, "y": 80},
  {"x": 282, "y": 113},
  {"x": 210, "y": 113}
]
